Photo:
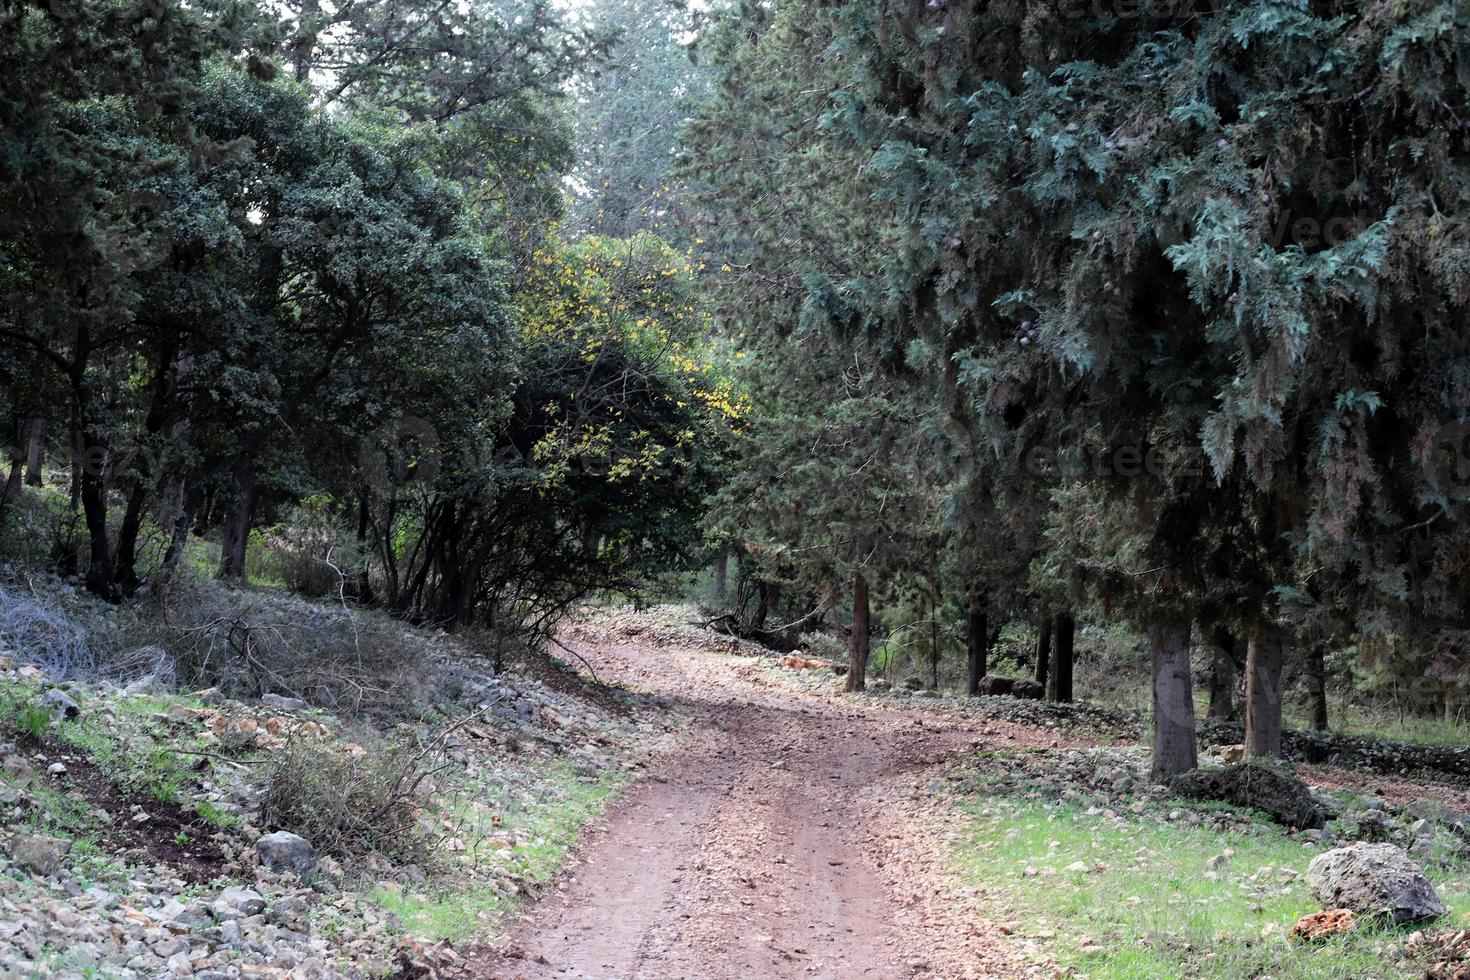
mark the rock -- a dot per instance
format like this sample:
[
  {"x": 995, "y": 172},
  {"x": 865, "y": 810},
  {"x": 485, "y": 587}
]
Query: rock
[
  {"x": 17, "y": 770},
  {"x": 1232, "y": 754},
  {"x": 1026, "y": 688},
  {"x": 1437, "y": 813},
  {"x": 994, "y": 684},
  {"x": 178, "y": 714},
  {"x": 61, "y": 706},
  {"x": 1372, "y": 825},
  {"x": 39, "y": 855},
  {"x": 285, "y": 851},
  {"x": 12, "y": 799},
  {"x": 1322, "y": 925},
  {"x": 56, "y": 769},
  {"x": 238, "y": 901},
  {"x": 1252, "y": 784},
  {"x": 289, "y": 913},
  {"x": 280, "y": 703},
  {"x": 1376, "y": 879}
]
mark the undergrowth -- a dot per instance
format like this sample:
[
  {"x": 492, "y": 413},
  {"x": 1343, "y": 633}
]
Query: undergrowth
[
  {"x": 524, "y": 839},
  {"x": 1145, "y": 905}
]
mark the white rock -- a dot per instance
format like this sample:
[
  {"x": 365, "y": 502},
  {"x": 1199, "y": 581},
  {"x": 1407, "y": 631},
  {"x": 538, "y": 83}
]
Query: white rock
[{"x": 1374, "y": 879}]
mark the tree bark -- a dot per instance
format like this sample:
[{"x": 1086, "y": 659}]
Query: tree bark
[
  {"x": 1043, "y": 651},
  {"x": 190, "y": 502},
  {"x": 858, "y": 643},
  {"x": 1061, "y": 683},
  {"x": 147, "y": 467},
  {"x": 17, "y": 467},
  {"x": 76, "y": 463},
  {"x": 235, "y": 537},
  {"x": 722, "y": 568},
  {"x": 364, "y": 585},
  {"x": 977, "y": 640},
  {"x": 1223, "y": 675},
  {"x": 1173, "y": 700},
  {"x": 93, "y": 492},
  {"x": 1263, "y": 691},
  {"x": 933, "y": 637},
  {"x": 127, "y": 539},
  {"x": 35, "y": 450},
  {"x": 1317, "y": 687}
]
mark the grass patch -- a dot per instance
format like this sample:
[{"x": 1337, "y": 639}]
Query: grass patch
[
  {"x": 1427, "y": 730},
  {"x": 136, "y": 753},
  {"x": 545, "y": 824},
  {"x": 1148, "y": 907}
]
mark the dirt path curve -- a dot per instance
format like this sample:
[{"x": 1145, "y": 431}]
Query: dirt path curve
[{"x": 777, "y": 841}]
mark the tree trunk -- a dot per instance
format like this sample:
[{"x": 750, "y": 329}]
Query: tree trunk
[
  {"x": 17, "y": 468},
  {"x": 13, "y": 482},
  {"x": 235, "y": 537},
  {"x": 1263, "y": 691},
  {"x": 857, "y": 648},
  {"x": 364, "y": 585},
  {"x": 1222, "y": 675},
  {"x": 722, "y": 567},
  {"x": 1317, "y": 688},
  {"x": 76, "y": 461},
  {"x": 35, "y": 450},
  {"x": 1043, "y": 651},
  {"x": 977, "y": 639},
  {"x": 93, "y": 493},
  {"x": 146, "y": 472},
  {"x": 178, "y": 543},
  {"x": 1066, "y": 628},
  {"x": 933, "y": 640},
  {"x": 127, "y": 539},
  {"x": 1173, "y": 700}
]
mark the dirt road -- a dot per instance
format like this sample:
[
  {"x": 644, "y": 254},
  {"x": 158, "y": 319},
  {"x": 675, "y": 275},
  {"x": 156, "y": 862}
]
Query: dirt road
[{"x": 784, "y": 838}]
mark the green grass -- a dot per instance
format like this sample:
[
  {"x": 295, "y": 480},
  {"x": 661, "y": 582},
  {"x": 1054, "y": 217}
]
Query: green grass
[
  {"x": 134, "y": 753},
  {"x": 545, "y": 824},
  {"x": 1431, "y": 730},
  {"x": 1147, "y": 907}
]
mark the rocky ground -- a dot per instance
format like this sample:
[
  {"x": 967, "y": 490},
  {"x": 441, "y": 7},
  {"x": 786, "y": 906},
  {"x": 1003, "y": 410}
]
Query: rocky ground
[
  {"x": 1064, "y": 789},
  {"x": 133, "y": 840},
  {"x": 762, "y": 824}
]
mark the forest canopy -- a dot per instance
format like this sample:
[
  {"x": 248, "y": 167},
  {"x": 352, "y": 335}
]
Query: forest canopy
[
  {"x": 948, "y": 323},
  {"x": 268, "y": 268}
]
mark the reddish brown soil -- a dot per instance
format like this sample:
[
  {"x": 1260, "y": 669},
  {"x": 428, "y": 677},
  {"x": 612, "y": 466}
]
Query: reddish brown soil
[
  {"x": 198, "y": 859},
  {"x": 785, "y": 837},
  {"x": 1395, "y": 789}
]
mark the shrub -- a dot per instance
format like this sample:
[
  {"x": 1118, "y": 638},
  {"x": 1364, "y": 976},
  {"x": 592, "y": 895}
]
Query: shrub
[
  {"x": 823, "y": 646},
  {"x": 347, "y": 805},
  {"x": 249, "y": 643},
  {"x": 308, "y": 553},
  {"x": 40, "y": 528}
]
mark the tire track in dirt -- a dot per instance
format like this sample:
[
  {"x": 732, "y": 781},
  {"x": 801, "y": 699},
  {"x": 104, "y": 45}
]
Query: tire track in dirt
[{"x": 761, "y": 846}]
